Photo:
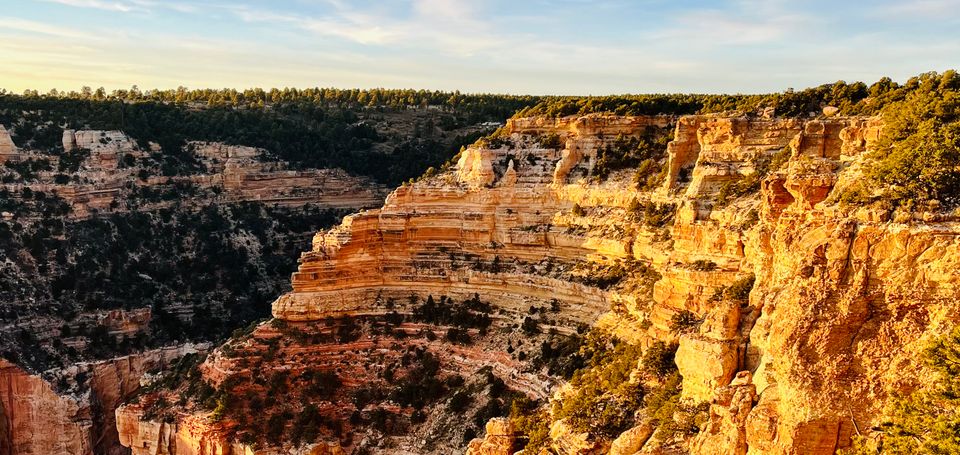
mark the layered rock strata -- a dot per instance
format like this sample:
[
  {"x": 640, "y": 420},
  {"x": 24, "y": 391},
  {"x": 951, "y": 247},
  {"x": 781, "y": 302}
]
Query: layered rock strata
[
  {"x": 38, "y": 419},
  {"x": 809, "y": 312},
  {"x": 111, "y": 160},
  {"x": 506, "y": 205}
]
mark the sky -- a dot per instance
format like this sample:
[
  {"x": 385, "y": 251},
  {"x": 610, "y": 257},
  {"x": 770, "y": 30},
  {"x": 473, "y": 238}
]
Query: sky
[{"x": 562, "y": 47}]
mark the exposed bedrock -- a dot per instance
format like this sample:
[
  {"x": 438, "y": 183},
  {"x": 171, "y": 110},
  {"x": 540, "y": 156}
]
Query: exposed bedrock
[
  {"x": 808, "y": 315},
  {"x": 37, "y": 419}
]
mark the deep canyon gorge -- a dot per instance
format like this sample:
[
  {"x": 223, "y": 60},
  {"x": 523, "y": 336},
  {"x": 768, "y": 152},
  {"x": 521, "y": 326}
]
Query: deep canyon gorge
[{"x": 592, "y": 283}]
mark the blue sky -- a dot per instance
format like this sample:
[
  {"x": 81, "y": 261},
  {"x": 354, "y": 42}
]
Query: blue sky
[{"x": 535, "y": 46}]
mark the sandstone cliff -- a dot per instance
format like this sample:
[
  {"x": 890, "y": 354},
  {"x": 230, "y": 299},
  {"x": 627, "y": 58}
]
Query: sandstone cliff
[
  {"x": 807, "y": 313},
  {"x": 114, "y": 174},
  {"x": 79, "y": 420}
]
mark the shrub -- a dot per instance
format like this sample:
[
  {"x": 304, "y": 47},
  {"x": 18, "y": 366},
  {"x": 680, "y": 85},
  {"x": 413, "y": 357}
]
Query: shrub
[
  {"x": 658, "y": 215},
  {"x": 648, "y": 150},
  {"x": 471, "y": 313},
  {"x": 918, "y": 153},
  {"x": 703, "y": 265},
  {"x": 459, "y": 401},
  {"x": 551, "y": 141},
  {"x": 605, "y": 398},
  {"x": 578, "y": 211},
  {"x": 530, "y": 325},
  {"x": 561, "y": 355},
  {"x": 739, "y": 291},
  {"x": 750, "y": 183},
  {"x": 531, "y": 420},
  {"x": 649, "y": 174},
  {"x": 659, "y": 359},
  {"x": 603, "y": 276},
  {"x": 926, "y": 420},
  {"x": 673, "y": 417},
  {"x": 684, "y": 321}
]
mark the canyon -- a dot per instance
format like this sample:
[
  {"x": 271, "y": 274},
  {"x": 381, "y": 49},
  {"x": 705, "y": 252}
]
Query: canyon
[
  {"x": 54, "y": 405},
  {"x": 794, "y": 317}
]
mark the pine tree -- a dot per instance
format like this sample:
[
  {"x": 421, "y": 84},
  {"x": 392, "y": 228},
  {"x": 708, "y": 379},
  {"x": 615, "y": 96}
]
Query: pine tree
[{"x": 928, "y": 420}]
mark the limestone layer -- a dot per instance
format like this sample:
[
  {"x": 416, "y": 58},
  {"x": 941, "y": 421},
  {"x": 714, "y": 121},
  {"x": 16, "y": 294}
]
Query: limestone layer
[
  {"x": 110, "y": 176},
  {"x": 836, "y": 303}
]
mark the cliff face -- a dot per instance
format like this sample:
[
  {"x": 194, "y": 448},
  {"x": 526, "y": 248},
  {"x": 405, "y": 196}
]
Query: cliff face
[
  {"x": 36, "y": 419},
  {"x": 500, "y": 204},
  {"x": 113, "y": 172},
  {"x": 27, "y": 400},
  {"x": 808, "y": 313},
  {"x": 72, "y": 356},
  {"x": 8, "y": 149}
]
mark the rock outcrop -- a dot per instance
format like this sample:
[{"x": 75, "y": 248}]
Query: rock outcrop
[
  {"x": 8, "y": 150},
  {"x": 36, "y": 420},
  {"x": 443, "y": 235},
  {"x": 110, "y": 176},
  {"x": 79, "y": 420},
  {"x": 500, "y": 439}
]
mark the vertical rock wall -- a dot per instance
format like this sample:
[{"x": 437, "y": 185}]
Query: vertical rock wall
[{"x": 37, "y": 420}]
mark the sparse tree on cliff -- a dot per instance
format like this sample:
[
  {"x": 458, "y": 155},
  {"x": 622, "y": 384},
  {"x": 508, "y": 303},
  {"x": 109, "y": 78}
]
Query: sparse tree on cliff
[{"x": 927, "y": 421}]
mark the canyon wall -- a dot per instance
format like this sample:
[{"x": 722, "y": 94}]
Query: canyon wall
[
  {"x": 509, "y": 204},
  {"x": 35, "y": 418},
  {"x": 837, "y": 299},
  {"x": 109, "y": 176}
]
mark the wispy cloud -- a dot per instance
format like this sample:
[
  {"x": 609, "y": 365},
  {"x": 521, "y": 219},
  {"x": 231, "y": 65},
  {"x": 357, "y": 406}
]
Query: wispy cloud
[
  {"x": 120, "y": 6},
  {"x": 127, "y": 6},
  {"x": 921, "y": 8},
  {"x": 449, "y": 26},
  {"x": 536, "y": 46},
  {"x": 36, "y": 27}
]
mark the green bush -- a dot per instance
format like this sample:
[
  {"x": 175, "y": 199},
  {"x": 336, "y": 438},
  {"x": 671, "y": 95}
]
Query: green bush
[
  {"x": 651, "y": 213},
  {"x": 578, "y": 210},
  {"x": 749, "y": 184},
  {"x": 648, "y": 150},
  {"x": 703, "y": 265},
  {"x": 684, "y": 321},
  {"x": 532, "y": 421},
  {"x": 551, "y": 141},
  {"x": 739, "y": 291},
  {"x": 659, "y": 359},
  {"x": 918, "y": 157},
  {"x": 927, "y": 420}
]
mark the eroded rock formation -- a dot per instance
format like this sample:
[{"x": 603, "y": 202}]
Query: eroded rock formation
[
  {"x": 79, "y": 419},
  {"x": 808, "y": 313},
  {"x": 109, "y": 176},
  {"x": 8, "y": 150}
]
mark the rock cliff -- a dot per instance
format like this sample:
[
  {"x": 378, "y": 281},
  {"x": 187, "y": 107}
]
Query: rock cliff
[
  {"x": 794, "y": 317},
  {"x": 115, "y": 174},
  {"x": 8, "y": 150},
  {"x": 79, "y": 418},
  {"x": 67, "y": 365}
]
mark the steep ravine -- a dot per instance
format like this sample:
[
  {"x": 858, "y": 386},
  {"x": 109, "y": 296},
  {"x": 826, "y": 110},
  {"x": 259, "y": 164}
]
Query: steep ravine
[
  {"x": 803, "y": 316},
  {"x": 85, "y": 314}
]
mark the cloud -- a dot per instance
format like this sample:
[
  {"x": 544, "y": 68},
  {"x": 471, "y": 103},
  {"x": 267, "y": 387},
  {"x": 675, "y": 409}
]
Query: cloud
[
  {"x": 119, "y": 6},
  {"x": 751, "y": 23},
  {"x": 921, "y": 8},
  {"x": 540, "y": 47},
  {"x": 24, "y": 25},
  {"x": 448, "y": 26},
  {"x": 128, "y": 6}
]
